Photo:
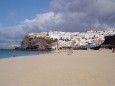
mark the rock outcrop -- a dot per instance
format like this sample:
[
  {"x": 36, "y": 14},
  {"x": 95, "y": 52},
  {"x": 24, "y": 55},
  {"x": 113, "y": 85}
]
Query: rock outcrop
[{"x": 36, "y": 43}]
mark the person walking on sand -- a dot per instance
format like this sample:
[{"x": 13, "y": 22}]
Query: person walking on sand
[{"x": 69, "y": 49}]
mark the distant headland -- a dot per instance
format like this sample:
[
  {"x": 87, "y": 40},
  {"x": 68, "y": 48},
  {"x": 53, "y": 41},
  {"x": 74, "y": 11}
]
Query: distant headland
[{"x": 53, "y": 40}]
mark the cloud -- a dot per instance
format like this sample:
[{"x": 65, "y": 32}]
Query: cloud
[
  {"x": 64, "y": 15},
  {"x": 10, "y": 35},
  {"x": 42, "y": 22},
  {"x": 85, "y": 14}
]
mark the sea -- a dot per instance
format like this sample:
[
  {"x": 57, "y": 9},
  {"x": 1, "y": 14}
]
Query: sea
[{"x": 15, "y": 53}]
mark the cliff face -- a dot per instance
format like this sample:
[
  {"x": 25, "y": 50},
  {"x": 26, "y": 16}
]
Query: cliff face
[
  {"x": 109, "y": 40},
  {"x": 36, "y": 43}
]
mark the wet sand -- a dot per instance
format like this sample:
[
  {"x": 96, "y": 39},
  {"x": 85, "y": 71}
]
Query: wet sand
[{"x": 82, "y": 68}]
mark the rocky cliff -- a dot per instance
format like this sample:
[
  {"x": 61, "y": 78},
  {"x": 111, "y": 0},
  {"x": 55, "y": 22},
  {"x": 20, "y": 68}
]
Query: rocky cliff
[{"x": 36, "y": 43}]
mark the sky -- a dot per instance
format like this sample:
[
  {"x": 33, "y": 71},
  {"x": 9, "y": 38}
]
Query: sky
[
  {"x": 13, "y": 12},
  {"x": 19, "y": 17}
]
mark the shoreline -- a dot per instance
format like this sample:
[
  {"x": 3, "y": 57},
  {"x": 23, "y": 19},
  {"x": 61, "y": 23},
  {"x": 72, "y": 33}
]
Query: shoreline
[
  {"x": 9, "y": 53},
  {"x": 53, "y": 51},
  {"x": 81, "y": 68}
]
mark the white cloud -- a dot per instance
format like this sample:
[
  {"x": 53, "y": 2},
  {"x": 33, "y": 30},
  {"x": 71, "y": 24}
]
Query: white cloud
[{"x": 43, "y": 22}]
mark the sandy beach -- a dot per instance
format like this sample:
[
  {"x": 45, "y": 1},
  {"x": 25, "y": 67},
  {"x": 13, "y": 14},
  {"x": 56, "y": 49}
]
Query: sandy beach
[{"x": 82, "y": 68}]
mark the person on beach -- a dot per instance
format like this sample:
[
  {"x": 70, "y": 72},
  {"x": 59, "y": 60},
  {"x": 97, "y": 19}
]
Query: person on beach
[
  {"x": 113, "y": 49},
  {"x": 69, "y": 50}
]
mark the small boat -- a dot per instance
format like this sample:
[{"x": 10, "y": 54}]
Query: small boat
[{"x": 95, "y": 46}]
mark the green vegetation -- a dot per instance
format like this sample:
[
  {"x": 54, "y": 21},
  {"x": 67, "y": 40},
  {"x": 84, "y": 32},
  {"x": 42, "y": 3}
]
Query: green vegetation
[{"x": 50, "y": 41}]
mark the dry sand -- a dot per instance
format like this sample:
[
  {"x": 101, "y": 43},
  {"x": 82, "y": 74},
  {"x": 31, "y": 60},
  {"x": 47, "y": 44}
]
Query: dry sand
[{"x": 82, "y": 68}]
